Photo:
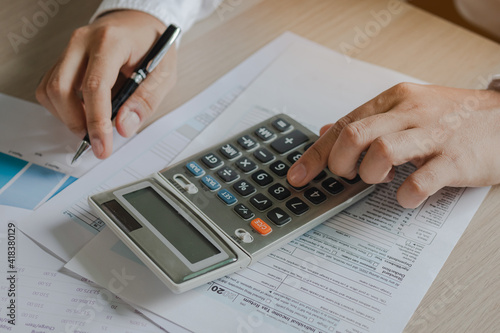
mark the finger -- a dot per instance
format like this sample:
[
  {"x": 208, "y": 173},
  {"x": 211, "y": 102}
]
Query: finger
[
  {"x": 316, "y": 157},
  {"x": 62, "y": 88},
  {"x": 42, "y": 96},
  {"x": 146, "y": 99},
  {"x": 324, "y": 129},
  {"x": 427, "y": 180},
  {"x": 102, "y": 70},
  {"x": 394, "y": 149}
]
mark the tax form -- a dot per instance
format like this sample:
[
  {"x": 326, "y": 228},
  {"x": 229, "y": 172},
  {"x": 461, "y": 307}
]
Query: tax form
[{"x": 364, "y": 270}]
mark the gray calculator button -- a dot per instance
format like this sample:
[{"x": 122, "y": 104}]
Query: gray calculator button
[
  {"x": 243, "y": 211},
  {"x": 212, "y": 161},
  {"x": 261, "y": 202},
  {"x": 262, "y": 178},
  {"x": 279, "y": 168},
  {"x": 227, "y": 174},
  {"x": 290, "y": 141},
  {"x": 229, "y": 151},
  {"x": 281, "y": 125},
  {"x": 247, "y": 142},
  {"x": 332, "y": 185},
  {"x": 264, "y": 155},
  {"x": 245, "y": 164},
  {"x": 244, "y": 188},
  {"x": 278, "y": 216},
  {"x": 297, "y": 206},
  {"x": 264, "y": 133},
  {"x": 294, "y": 157},
  {"x": 314, "y": 195},
  {"x": 279, "y": 192}
]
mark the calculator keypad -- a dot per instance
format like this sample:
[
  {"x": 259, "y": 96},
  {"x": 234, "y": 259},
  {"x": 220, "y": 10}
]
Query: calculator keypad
[{"x": 249, "y": 173}]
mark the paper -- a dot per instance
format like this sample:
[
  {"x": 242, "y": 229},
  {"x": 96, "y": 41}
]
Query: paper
[
  {"x": 365, "y": 270},
  {"x": 35, "y": 154},
  {"x": 67, "y": 223}
]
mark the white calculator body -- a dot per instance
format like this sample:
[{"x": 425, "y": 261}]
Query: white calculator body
[{"x": 225, "y": 208}]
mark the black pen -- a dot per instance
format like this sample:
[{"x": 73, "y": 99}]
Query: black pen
[{"x": 149, "y": 63}]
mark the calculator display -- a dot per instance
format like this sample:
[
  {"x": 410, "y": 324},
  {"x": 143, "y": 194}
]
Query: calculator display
[{"x": 175, "y": 228}]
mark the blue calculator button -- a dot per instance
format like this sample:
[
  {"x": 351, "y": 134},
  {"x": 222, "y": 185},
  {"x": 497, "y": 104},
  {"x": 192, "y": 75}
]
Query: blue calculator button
[
  {"x": 227, "y": 197},
  {"x": 195, "y": 169},
  {"x": 210, "y": 182}
]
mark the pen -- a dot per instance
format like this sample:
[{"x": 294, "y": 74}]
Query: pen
[{"x": 149, "y": 63}]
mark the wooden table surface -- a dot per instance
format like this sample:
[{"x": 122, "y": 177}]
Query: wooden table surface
[{"x": 465, "y": 296}]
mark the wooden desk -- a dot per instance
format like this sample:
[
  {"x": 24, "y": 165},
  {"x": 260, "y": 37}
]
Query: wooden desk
[{"x": 466, "y": 294}]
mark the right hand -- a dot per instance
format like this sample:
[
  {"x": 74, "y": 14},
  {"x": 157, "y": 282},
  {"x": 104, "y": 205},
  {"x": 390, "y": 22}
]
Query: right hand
[{"x": 78, "y": 89}]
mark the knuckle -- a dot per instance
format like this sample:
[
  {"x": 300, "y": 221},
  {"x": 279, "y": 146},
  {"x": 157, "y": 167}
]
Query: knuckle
[
  {"x": 354, "y": 133},
  {"x": 418, "y": 184},
  {"x": 93, "y": 83},
  {"x": 100, "y": 124},
  {"x": 78, "y": 34},
  {"x": 41, "y": 94},
  {"x": 383, "y": 148},
  {"x": 316, "y": 155},
  {"x": 55, "y": 88},
  {"x": 341, "y": 124},
  {"x": 403, "y": 89},
  {"x": 105, "y": 34}
]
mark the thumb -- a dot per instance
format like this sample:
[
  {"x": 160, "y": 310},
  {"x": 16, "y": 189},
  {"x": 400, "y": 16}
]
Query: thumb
[{"x": 147, "y": 97}]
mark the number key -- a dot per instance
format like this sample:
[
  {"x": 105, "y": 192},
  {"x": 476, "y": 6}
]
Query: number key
[
  {"x": 279, "y": 191},
  {"x": 314, "y": 195},
  {"x": 279, "y": 168},
  {"x": 262, "y": 178}
]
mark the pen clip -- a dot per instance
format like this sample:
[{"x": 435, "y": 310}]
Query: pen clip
[{"x": 160, "y": 48}]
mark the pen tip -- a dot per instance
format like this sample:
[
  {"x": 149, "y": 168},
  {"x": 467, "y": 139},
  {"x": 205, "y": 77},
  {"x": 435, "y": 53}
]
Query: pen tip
[{"x": 84, "y": 146}]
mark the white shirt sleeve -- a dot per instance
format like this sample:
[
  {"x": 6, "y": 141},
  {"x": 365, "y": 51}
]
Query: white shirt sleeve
[{"x": 183, "y": 13}]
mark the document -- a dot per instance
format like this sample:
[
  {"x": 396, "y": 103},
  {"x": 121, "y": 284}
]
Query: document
[
  {"x": 35, "y": 154},
  {"x": 364, "y": 270}
]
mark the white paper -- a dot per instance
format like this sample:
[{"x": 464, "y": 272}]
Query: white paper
[
  {"x": 35, "y": 156},
  {"x": 365, "y": 270}
]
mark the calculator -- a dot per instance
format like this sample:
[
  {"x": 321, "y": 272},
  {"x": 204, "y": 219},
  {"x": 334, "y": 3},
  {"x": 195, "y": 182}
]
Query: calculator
[{"x": 226, "y": 207}]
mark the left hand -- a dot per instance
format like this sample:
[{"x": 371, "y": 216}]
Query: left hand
[{"x": 451, "y": 135}]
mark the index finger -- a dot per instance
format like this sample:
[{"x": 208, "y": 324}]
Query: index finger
[
  {"x": 103, "y": 68},
  {"x": 316, "y": 157}
]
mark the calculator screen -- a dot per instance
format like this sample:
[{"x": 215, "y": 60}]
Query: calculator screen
[{"x": 175, "y": 228}]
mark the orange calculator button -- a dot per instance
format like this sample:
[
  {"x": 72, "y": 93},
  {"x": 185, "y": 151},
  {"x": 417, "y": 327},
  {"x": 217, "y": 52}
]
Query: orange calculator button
[{"x": 261, "y": 227}]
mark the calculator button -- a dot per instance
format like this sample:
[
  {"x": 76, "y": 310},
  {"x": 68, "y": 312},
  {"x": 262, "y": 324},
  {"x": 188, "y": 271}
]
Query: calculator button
[
  {"x": 263, "y": 155},
  {"x": 261, "y": 202},
  {"x": 297, "y": 206},
  {"x": 261, "y": 227},
  {"x": 297, "y": 188},
  {"x": 279, "y": 168},
  {"x": 278, "y": 216},
  {"x": 332, "y": 185},
  {"x": 264, "y": 133},
  {"x": 290, "y": 141},
  {"x": 294, "y": 157},
  {"x": 352, "y": 181},
  {"x": 195, "y": 169},
  {"x": 247, "y": 142},
  {"x": 281, "y": 125},
  {"x": 262, "y": 178},
  {"x": 279, "y": 191},
  {"x": 212, "y": 161},
  {"x": 320, "y": 175},
  {"x": 243, "y": 211},
  {"x": 227, "y": 197},
  {"x": 245, "y": 164},
  {"x": 227, "y": 174},
  {"x": 229, "y": 151},
  {"x": 244, "y": 188},
  {"x": 210, "y": 182},
  {"x": 314, "y": 195}
]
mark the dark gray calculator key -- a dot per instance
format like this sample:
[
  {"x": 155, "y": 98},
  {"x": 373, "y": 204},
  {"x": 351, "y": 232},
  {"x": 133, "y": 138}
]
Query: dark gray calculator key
[
  {"x": 279, "y": 168},
  {"x": 289, "y": 141},
  {"x": 297, "y": 188},
  {"x": 352, "y": 181},
  {"x": 297, "y": 206},
  {"x": 243, "y": 211},
  {"x": 262, "y": 178},
  {"x": 212, "y": 161},
  {"x": 332, "y": 185},
  {"x": 264, "y": 133},
  {"x": 247, "y": 142},
  {"x": 294, "y": 157},
  {"x": 279, "y": 192},
  {"x": 320, "y": 175},
  {"x": 281, "y": 125},
  {"x": 263, "y": 155},
  {"x": 227, "y": 174},
  {"x": 245, "y": 164},
  {"x": 229, "y": 151},
  {"x": 278, "y": 216},
  {"x": 261, "y": 202},
  {"x": 314, "y": 195},
  {"x": 244, "y": 188}
]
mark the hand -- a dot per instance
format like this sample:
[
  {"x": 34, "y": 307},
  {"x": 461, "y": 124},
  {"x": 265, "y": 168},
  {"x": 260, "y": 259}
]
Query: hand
[
  {"x": 99, "y": 57},
  {"x": 451, "y": 135}
]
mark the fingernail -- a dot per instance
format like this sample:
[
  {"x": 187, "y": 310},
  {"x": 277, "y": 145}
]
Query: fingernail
[
  {"x": 97, "y": 147},
  {"x": 297, "y": 173},
  {"x": 131, "y": 122}
]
